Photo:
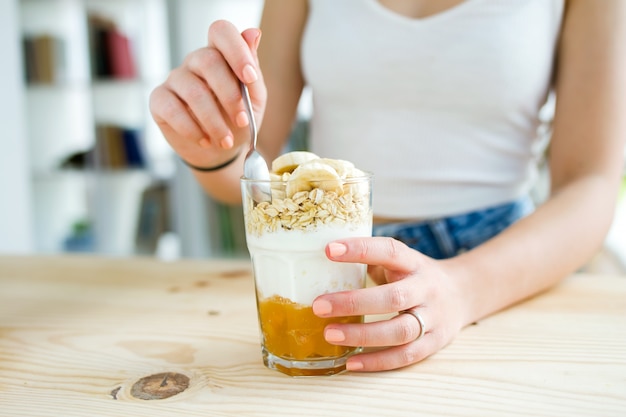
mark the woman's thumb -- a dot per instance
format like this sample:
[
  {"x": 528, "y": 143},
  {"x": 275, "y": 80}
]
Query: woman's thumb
[{"x": 252, "y": 37}]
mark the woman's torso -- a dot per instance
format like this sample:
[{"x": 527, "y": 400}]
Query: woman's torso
[{"x": 444, "y": 110}]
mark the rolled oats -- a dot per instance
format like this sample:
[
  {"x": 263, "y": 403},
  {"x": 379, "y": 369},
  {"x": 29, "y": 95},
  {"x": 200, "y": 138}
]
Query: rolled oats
[{"x": 306, "y": 210}]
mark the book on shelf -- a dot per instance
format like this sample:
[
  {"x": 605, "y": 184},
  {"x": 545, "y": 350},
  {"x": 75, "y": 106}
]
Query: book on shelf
[
  {"x": 97, "y": 27},
  {"x": 118, "y": 147},
  {"x": 131, "y": 141},
  {"x": 110, "y": 50},
  {"x": 44, "y": 59},
  {"x": 154, "y": 218},
  {"x": 120, "y": 55}
]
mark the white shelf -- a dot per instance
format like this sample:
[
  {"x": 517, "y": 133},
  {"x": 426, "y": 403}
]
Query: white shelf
[
  {"x": 59, "y": 202},
  {"x": 64, "y": 19},
  {"x": 59, "y": 123},
  {"x": 61, "y": 120},
  {"x": 116, "y": 102}
]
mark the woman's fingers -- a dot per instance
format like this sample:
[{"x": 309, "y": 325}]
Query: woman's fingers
[
  {"x": 201, "y": 102},
  {"x": 394, "y": 357},
  {"x": 400, "y": 265},
  {"x": 252, "y": 36},
  {"x": 258, "y": 93},
  {"x": 389, "y": 298},
  {"x": 387, "y": 252},
  {"x": 229, "y": 57},
  {"x": 200, "y": 105},
  {"x": 399, "y": 330},
  {"x": 172, "y": 115},
  {"x": 225, "y": 37},
  {"x": 409, "y": 280}
]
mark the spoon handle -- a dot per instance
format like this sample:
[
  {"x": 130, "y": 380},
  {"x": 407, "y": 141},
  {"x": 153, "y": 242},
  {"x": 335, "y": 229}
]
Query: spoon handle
[{"x": 246, "y": 98}]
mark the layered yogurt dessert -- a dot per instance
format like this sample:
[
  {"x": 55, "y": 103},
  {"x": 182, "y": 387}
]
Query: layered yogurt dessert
[{"x": 313, "y": 202}]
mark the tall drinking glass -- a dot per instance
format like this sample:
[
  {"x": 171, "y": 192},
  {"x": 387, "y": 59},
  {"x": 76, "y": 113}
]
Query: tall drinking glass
[{"x": 286, "y": 238}]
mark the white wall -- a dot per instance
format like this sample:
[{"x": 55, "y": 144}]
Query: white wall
[{"x": 16, "y": 235}]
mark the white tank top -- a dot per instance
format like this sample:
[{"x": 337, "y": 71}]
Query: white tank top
[{"x": 443, "y": 110}]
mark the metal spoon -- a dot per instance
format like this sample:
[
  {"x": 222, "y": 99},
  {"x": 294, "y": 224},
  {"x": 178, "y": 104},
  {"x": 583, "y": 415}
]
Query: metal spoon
[{"x": 254, "y": 166}]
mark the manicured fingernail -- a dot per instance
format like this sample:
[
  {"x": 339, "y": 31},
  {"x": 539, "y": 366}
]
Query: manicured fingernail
[
  {"x": 322, "y": 307},
  {"x": 227, "y": 142},
  {"x": 249, "y": 74},
  {"x": 334, "y": 335},
  {"x": 337, "y": 249},
  {"x": 241, "y": 119},
  {"x": 354, "y": 365},
  {"x": 204, "y": 143},
  {"x": 257, "y": 40}
]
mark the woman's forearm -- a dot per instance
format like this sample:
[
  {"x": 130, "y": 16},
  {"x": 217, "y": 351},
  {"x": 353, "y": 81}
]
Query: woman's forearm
[
  {"x": 538, "y": 251},
  {"x": 223, "y": 184}
]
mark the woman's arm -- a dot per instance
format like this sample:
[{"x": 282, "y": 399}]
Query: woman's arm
[
  {"x": 282, "y": 23},
  {"x": 586, "y": 162}
]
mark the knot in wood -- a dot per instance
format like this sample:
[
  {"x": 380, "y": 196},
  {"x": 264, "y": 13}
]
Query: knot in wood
[{"x": 160, "y": 386}]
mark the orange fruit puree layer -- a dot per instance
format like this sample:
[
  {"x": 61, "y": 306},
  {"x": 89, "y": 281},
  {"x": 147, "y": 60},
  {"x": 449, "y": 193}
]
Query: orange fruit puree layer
[{"x": 291, "y": 331}]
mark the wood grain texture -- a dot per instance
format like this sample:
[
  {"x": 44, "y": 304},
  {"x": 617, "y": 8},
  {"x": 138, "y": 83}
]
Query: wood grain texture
[{"x": 77, "y": 333}]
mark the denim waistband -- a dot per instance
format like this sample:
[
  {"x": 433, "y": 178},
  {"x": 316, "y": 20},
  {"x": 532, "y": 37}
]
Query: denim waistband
[{"x": 446, "y": 237}]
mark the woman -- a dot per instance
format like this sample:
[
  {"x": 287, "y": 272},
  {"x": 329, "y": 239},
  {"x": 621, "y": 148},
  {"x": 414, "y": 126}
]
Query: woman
[{"x": 441, "y": 100}]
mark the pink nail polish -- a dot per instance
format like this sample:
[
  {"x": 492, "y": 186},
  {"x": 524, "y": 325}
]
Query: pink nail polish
[
  {"x": 337, "y": 249},
  {"x": 354, "y": 365},
  {"x": 242, "y": 119},
  {"x": 322, "y": 307},
  {"x": 249, "y": 74},
  {"x": 334, "y": 335},
  {"x": 227, "y": 142}
]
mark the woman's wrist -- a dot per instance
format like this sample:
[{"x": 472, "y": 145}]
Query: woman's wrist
[
  {"x": 467, "y": 290},
  {"x": 216, "y": 167}
]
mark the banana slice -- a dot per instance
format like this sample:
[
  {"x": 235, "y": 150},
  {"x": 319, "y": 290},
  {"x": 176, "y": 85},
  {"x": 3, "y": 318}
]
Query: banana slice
[
  {"x": 343, "y": 168},
  {"x": 278, "y": 187},
  {"x": 278, "y": 194},
  {"x": 312, "y": 175},
  {"x": 289, "y": 161},
  {"x": 355, "y": 188}
]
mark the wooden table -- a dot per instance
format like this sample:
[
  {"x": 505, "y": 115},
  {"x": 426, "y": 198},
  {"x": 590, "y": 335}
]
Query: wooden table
[{"x": 85, "y": 336}]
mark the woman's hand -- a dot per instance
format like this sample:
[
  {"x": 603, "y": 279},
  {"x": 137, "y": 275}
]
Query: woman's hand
[
  {"x": 407, "y": 280},
  {"x": 199, "y": 108}
]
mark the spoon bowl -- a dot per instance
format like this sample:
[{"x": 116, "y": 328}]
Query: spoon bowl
[{"x": 254, "y": 166}]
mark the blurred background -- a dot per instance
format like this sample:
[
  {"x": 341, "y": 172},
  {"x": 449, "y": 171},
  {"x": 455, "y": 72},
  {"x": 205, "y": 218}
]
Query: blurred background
[{"x": 83, "y": 166}]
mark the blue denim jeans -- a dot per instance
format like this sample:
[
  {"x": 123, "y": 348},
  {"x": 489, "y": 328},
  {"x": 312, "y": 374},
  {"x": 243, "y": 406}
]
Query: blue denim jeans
[{"x": 446, "y": 237}]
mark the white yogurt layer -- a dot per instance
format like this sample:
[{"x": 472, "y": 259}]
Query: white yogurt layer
[{"x": 293, "y": 264}]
